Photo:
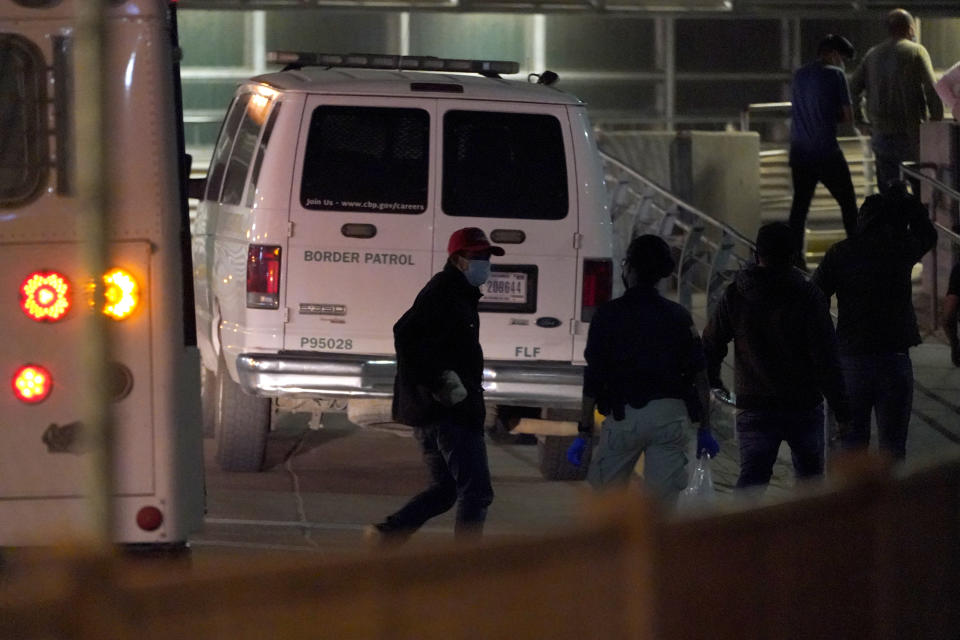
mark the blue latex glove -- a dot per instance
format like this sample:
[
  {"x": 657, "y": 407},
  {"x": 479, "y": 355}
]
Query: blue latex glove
[
  {"x": 706, "y": 443},
  {"x": 575, "y": 452}
]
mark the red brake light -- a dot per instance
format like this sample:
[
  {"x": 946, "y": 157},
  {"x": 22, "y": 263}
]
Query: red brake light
[
  {"x": 32, "y": 383},
  {"x": 149, "y": 518},
  {"x": 44, "y": 296},
  {"x": 263, "y": 277},
  {"x": 597, "y": 286}
]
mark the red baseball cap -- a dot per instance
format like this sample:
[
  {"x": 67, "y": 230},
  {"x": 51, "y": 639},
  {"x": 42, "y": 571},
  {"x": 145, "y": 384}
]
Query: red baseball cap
[{"x": 472, "y": 240}]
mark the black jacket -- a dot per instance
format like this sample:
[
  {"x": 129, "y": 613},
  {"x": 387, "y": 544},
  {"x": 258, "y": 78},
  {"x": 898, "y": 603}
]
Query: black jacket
[
  {"x": 870, "y": 274},
  {"x": 785, "y": 347},
  {"x": 641, "y": 347},
  {"x": 440, "y": 331}
]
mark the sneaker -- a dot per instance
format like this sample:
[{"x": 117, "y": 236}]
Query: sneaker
[{"x": 382, "y": 535}]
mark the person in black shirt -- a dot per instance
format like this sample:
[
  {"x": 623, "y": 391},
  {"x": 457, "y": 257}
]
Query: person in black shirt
[
  {"x": 951, "y": 303},
  {"x": 876, "y": 323},
  {"x": 438, "y": 392},
  {"x": 821, "y": 100},
  {"x": 644, "y": 367},
  {"x": 785, "y": 360}
]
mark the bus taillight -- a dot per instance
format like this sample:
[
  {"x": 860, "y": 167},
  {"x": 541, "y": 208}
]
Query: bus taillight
[
  {"x": 122, "y": 294},
  {"x": 149, "y": 518},
  {"x": 32, "y": 383},
  {"x": 263, "y": 277},
  {"x": 45, "y": 296}
]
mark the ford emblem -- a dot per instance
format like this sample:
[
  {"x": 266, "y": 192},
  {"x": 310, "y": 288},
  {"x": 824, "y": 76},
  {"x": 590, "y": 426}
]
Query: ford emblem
[{"x": 548, "y": 323}]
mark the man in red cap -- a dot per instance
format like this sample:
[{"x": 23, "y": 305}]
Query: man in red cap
[{"x": 438, "y": 392}]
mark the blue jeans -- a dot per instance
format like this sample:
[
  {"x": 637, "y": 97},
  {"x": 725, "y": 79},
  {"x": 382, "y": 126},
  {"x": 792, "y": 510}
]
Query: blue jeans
[
  {"x": 456, "y": 458},
  {"x": 881, "y": 384},
  {"x": 761, "y": 431}
]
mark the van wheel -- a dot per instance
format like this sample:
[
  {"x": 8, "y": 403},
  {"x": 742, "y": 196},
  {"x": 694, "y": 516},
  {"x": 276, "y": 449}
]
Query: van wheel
[
  {"x": 552, "y": 452},
  {"x": 242, "y": 424},
  {"x": 208, "y": 401}
]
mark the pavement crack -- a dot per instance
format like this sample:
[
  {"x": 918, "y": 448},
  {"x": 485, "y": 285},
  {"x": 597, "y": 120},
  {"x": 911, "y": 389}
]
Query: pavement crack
[{"x": 305, "y": 528}]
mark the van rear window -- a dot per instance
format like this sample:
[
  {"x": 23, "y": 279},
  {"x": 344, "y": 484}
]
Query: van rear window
[
  {"x": 23, "y": 150},
  {"x": 366, "y": 159},
  {"x": 244, "y": 147},
  {"x": 218, "y": 164},
  {"x": 503, "y": 165}
]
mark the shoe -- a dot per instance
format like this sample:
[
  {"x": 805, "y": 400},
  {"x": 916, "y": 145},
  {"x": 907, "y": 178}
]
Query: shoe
[{"x": 382, "y": 536}]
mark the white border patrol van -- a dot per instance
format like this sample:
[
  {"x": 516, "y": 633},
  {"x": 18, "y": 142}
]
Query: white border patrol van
[
  {"x": 154, "y": 381},
  {"x": 332, "y": 191}
]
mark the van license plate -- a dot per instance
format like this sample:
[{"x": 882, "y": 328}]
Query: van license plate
[{"x": 505, "y": 286}]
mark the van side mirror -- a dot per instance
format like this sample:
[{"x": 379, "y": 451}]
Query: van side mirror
[{"x": 196, "y": 187}]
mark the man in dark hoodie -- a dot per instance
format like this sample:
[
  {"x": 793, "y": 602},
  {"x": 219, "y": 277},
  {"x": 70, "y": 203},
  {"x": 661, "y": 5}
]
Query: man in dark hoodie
[
  {"x": 785, "y": 352},
  {"x": 876, "y": 324},
  {"x": 438, "y": 392}
]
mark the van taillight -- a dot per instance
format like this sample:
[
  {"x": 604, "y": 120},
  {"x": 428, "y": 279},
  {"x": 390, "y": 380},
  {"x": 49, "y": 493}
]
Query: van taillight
[
  {"x": 263, "y": 277},
  {"x": 597, "y": 286}
]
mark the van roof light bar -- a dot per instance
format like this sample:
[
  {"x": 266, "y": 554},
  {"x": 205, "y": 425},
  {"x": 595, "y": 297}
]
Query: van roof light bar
[{"x": 298, "y": 60}]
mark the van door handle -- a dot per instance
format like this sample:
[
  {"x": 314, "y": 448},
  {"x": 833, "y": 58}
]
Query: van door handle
[
  {"x": 358, "y": 230},
  {"x": 508, "y": 236}
]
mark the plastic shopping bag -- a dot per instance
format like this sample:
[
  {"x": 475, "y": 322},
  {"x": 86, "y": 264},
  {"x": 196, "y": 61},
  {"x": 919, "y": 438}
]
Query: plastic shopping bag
[{"x": 699, "y": 490}]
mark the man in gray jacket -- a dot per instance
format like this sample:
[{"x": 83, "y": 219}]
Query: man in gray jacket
[{"x": 898, "y": 80}]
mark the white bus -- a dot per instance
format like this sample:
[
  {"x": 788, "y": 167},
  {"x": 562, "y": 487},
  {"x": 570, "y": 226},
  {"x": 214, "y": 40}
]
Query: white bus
[{"x": 153, "y": 380}]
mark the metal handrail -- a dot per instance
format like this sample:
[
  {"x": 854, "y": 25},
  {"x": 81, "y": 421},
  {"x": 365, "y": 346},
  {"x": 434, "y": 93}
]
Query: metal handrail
[
  {"x": 705, "y": 243},
  {"x": 784, "y": 109},
  {"x": 914, "y": 172},
  {"x": 654, "y": 187}
]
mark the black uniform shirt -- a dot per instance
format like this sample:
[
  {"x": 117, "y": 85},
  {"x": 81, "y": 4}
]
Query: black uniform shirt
[{"x": 641, "y": 347}]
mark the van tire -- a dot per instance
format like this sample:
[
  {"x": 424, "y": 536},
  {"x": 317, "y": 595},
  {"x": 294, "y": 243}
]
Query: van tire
[
  {"x": 208, "y": 401},
  {"x": 242, "y": 424},
  {"x": 552, "y": 454}
]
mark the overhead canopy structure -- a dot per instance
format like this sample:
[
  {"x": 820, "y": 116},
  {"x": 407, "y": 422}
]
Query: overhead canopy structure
[{"x": 747, "y": 7}]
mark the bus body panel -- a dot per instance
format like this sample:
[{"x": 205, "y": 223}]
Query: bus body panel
[{"x": 158, "y": 452}]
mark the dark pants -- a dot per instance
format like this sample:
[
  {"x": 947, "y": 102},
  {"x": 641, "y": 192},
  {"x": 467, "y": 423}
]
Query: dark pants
[
  {"x": 881, "y": 384},
  {"x": 761, "y": 431},
  {"x": 889, "y": 150},
  {"x": 833, "y": 172},
  {"x": 456, "y": 458}
]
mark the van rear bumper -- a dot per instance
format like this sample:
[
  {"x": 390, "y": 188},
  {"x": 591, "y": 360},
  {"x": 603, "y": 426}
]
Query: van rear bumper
[{"x": 311, "y": 374}]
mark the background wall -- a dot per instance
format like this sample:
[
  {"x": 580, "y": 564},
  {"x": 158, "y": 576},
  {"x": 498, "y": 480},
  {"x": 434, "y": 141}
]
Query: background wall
[{"x": 672, "y": 71}]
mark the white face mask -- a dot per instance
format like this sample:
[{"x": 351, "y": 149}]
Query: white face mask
[{"x": 478, "y": 270}]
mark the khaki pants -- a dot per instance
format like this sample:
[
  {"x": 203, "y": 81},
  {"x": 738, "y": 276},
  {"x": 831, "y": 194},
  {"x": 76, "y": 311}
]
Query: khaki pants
[{"x": 657, "y": 431}]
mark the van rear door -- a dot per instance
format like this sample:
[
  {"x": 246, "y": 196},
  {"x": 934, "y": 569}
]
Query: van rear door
[
  {"x": 508, "y": 168},
  {"x": 362, "y": 215}
]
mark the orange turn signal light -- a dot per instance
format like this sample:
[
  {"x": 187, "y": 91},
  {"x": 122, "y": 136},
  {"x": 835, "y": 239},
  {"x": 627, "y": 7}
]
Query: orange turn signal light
[{"x": 122, "y": 294}]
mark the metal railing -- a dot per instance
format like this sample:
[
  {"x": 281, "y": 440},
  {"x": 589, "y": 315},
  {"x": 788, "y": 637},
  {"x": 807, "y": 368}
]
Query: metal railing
[
  {"x": 710, "y": 252},
  {"x": 914, "y": 173},
  {"x": 782, "y": 110}
]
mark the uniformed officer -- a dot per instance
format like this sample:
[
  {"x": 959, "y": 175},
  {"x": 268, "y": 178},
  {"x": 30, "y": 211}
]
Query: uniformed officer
[{"x": 647, "y": 373}]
